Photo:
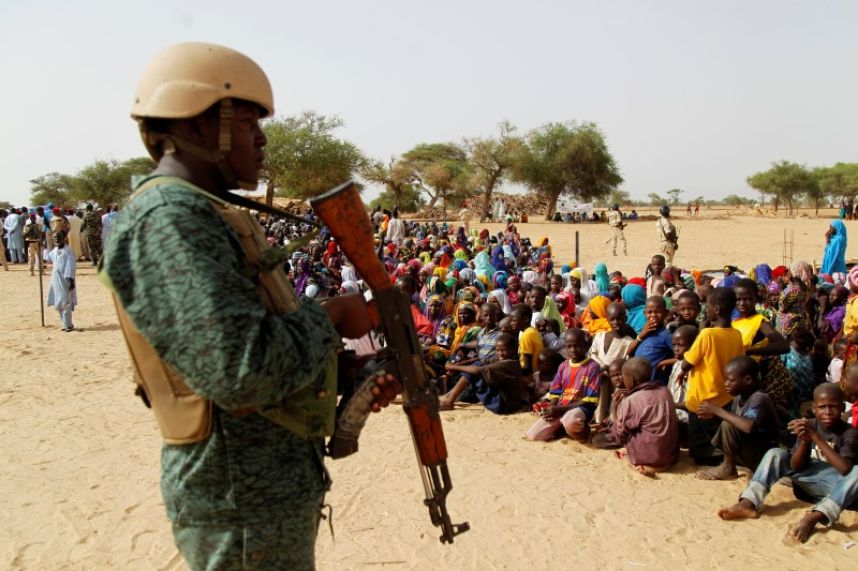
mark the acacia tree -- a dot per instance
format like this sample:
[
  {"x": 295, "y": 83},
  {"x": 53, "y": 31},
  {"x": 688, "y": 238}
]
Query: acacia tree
[
  {"x": 441, "y": 170},
  {"x": 784, "y": 182},
  {"x": 674, "y": 193},
  {"x": 53, "y": 188},
  {"x": 566, "y": 158},
  {"x": 492, "y": 160},
  {"x": 837, "y": 181},
  {"x": 398, "y": 180},
  {"x": 304, "y": 158},
  {"x": 655, "y": 199}
]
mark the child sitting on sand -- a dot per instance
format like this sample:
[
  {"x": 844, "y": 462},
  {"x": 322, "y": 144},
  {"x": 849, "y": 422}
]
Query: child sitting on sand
[
  {"x": 499, "y": 383},
  {"x": 607, "y": 347},
  {"x": 644, "y": 420},
  {"x": 821, "y": 465},
  {"x": 573, "y": 396},
  {"x": 704, "y": 366},
  {"x": 549, "y": 362},
  {"x": 683, "y": 339},
  {"x": 749, "y": 429},
  {"x": 614, "y": 373}
]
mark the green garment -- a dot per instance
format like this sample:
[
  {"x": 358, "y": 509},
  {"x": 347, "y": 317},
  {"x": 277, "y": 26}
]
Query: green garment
[{"x": 177, "y": 269}]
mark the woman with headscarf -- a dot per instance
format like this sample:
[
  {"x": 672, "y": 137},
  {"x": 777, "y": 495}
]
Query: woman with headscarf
[
  {"x": 600, "y": 273},
  {"x": 435, "y": 313},
  {"x": 834, "y": 259},
  {"x": 499, "y": 296},
  {"x": 830, "y": 323},
  {"x": 566, "y": 306},
  {"x": 498, "y": 261},
  {"x": 597, "y": 310},
  {"x": 483, "y": 266},
  {"x": 634, "y": 298},
  {"x": 543, "y": 247},
  {"x": 763, "y": 274},
  {"x": 792, "y": 310}
]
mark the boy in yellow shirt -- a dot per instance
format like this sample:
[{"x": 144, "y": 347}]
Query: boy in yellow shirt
[{"x": 703, "y": 364}]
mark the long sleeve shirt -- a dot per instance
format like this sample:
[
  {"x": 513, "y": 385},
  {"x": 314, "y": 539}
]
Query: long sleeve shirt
[{"x": 177, "y": 268}]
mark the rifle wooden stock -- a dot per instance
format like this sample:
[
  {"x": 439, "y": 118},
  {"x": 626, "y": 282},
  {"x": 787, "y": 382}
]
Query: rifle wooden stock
[{"x": 344, "y": 214}]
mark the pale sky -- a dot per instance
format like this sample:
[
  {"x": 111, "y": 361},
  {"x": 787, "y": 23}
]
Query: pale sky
[{"x": 690, "y": 94}]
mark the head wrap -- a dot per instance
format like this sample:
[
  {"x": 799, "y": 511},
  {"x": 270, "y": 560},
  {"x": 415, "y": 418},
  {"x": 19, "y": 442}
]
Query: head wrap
[
  {"x": 778, "y": 272},
  {"x": 839, "y": 278},
  {"x": 637, "y": 281},
  {"x": 502, "y": 300},
  {"x": 500, "y": 280},
  {"x": 598, "y": 307},
  {"x": 763, "y": 274},
  {"x": 349, "y": 287},
  {"x": 634, "y": 298},
  {"x": 600, "y": 274}
]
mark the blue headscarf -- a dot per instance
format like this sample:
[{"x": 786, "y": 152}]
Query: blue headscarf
[
  {"x": 763, "y": 274},
  {"x": 835, "y": 251},
  {"x": 634, "y": 298},
  {"x": 460, "y": 265},
  {"x": 600, "y": 274}
]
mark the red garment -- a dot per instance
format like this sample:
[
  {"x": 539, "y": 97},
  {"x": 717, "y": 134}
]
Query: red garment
[
  {"x": 638, "y": 281},
  {"x": 854, "y": 420},
  {"x": 421, "y": 323}
]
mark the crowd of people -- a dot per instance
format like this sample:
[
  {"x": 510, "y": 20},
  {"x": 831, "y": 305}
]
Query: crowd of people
[
  {"x": 749, "y": 370},
  {"x": 57, "y": 236}
]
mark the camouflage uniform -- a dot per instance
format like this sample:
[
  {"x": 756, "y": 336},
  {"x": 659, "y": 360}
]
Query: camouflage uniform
[
  {"x": 91, "y": 229},
  {"x": 177, "y": 268}
]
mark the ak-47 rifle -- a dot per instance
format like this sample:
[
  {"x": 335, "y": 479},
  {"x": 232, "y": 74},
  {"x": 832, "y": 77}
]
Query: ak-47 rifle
[{"x": 344, "y": 214}]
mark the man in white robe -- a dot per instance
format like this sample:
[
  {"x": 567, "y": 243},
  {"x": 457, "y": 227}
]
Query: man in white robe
[{"x": 62, "y": 294}]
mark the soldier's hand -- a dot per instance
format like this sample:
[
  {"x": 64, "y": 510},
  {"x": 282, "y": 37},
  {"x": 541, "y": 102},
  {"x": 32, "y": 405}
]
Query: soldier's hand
[{"x": 385, "y": 390}]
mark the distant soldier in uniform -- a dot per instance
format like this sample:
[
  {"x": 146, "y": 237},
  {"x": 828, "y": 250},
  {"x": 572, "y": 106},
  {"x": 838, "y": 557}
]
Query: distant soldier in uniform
[
  {"x": 615, "y": 221},
  {"x": 91, "y": 229},
  {"x": 667, "y": 235},
  {"x": 240, "y": 374}
]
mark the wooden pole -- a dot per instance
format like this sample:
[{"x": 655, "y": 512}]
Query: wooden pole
[
  {"x": 41, "y": 290},
  {"x": 577, "y": 251}
]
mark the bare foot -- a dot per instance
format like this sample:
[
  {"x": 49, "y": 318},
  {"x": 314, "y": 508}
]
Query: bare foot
[
  {"x": 620, "y": 454},
  {"x": 650, "y": 471},
  {"x": 800, "y": 532},
  {"x": 742, "y": 510},
  {"x": 720, "y": 472},
  {"x": 445, "y": 402}
]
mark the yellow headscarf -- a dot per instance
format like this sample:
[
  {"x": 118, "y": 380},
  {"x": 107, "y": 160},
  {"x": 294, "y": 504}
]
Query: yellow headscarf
[{"x": 598, "y": 307}]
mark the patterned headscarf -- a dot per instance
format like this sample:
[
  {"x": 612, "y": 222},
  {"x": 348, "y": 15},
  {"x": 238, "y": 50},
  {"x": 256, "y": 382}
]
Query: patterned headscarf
[{"x": 853, "y": 277}]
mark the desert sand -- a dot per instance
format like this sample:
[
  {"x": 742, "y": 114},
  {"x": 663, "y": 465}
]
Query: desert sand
[{"x": 80, "y": 456}]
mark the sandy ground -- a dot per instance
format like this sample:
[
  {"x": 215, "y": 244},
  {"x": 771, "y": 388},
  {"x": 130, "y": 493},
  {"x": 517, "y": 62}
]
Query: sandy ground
[{"x": 80, "y": 472}]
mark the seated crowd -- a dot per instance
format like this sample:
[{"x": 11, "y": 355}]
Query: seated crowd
[{"x": 750, "y": 370}]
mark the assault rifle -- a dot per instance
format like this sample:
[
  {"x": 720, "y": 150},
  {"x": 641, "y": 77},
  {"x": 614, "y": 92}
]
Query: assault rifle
[{"x": 343, "y": 212}]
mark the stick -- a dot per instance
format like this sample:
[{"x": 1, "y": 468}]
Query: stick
[
  {"x": 577, "y": 263},
  {"x": 41, "y": 290}
]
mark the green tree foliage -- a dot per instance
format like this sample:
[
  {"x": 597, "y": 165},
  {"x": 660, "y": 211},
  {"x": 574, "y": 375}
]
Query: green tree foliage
[
  {"x": 103, "y": 182},
  {"x": 785, "y": 182},
  {"x": 409, "y": 200},
  {"x": 492, "y": 160},
  {"x": 567, "y": 158},
  {"x": 304, "y": 158},
  {"x": 108, "y": 181},
  {"x": 736, "y": 200},
  {"x": 442, "y": 171},
  {"x": 837, "y": 181},
  {"x": 53, "y": 188},
  {"x": 655, "y": 199},
  {"x": 674, "y": 193},
  {"x": 399, "y": 182},
  {"x": 6, "y": 205}
]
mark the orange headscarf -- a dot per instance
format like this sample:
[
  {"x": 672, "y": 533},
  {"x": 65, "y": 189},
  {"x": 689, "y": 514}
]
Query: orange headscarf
[{"x": 598, "y": 307}]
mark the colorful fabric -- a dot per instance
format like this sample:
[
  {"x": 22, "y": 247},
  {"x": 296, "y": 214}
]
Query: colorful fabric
[
  {"x": 600, "y": 274},
  {"x": 576, "y": 382},
  {"x": 792, "y": 311},
  {"x": 800, "y": 368}
]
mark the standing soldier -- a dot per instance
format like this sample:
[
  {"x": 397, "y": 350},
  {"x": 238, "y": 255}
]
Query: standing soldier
[
  {"x": 91, "y": 229},
  {"x": 667, "y": 235},
  {"x": 33, "y": 236},
  {"x": 240, "y": 373},
  {"x": 615, "y": 221}
]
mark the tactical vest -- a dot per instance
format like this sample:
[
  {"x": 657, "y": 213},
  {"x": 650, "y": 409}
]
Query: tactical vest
[{"x": 185, "y": 417}]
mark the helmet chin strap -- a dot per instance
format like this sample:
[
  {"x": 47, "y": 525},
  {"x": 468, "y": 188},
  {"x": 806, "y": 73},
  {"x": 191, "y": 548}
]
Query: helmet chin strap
[{"x": 170, "y": 143}]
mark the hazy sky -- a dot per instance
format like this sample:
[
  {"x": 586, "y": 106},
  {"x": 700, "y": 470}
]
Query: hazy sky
[{"x": 689, "y": 94}]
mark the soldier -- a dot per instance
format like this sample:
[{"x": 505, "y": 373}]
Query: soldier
[
  {"x": 218, "y": 340},
  {"x": 33, "y": 236},
  {"x": 667, "y": 235},
  {"x": 615, "y": 221},
  {"x": 91, "y": 229}
]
